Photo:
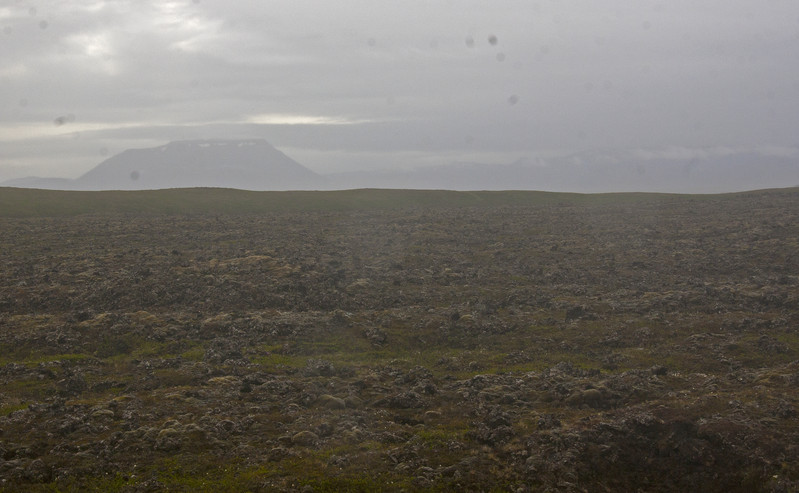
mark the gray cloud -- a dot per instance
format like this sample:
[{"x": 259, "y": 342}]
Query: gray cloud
[{"x": 425, "y": 80}]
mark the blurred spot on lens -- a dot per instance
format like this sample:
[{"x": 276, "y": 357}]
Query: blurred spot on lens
[{"x": 63, "y": 119}]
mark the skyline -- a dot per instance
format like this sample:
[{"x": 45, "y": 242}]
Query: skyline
[{"x": 377, "y": 86}]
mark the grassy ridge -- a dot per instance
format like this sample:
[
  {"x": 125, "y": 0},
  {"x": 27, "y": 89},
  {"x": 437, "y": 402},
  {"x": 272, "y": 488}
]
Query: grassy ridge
[{"x": 22, "y": 202}]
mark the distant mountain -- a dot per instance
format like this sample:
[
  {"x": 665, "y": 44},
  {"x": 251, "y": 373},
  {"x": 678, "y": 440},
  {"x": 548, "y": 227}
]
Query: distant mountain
[
  {"x": 621, "y": 171},
  {"x": 44, "y": 183},
  {"x": 256, "y": 165},
  {"x": 243, "y": 164}
]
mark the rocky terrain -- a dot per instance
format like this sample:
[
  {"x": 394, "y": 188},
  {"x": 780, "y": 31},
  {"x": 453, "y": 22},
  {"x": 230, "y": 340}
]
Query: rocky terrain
[{"x": 629, "y": 344}]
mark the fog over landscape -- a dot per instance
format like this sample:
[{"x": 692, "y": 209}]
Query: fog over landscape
[{"x": 580, "y": 96}]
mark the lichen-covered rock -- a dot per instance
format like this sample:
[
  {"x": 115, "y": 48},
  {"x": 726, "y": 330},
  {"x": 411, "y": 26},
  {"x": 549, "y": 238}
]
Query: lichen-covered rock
[
  {"x": 72, "y": 385},
  {"x": 316, "y": 367},
  {"x": 328, "y": 401},
  {"x": 305, "y": 438},
  {"x": 403, "y": 400},
  {"x": 168, "y": 439},
  {"x": 38, "y": 472}
]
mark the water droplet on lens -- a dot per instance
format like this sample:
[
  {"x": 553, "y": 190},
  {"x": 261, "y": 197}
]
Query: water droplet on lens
[
  {"x": 43, "y": 24},
  {"x": 371, "y": 41},
  {"x": 134, "y": 175},
  {"x": 469, "y": 41},
  {"x": 500, "y": 57},
  {"x": 513, "y": 99},
  {"x": 492, "y": 40},
  {"x": 63, "y": 119}
]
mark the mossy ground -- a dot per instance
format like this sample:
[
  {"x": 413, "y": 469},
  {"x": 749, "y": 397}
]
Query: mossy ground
[{"x": 426, "y": 341}]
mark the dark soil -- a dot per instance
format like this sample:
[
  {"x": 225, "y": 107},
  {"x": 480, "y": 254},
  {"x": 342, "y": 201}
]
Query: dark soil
[{"x": 647, "y": 345}]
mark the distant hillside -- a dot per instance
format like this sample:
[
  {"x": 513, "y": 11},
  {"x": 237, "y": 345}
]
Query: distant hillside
[
  {"x": 243, "y": 164},
  {"x": 21, "y": 202}
]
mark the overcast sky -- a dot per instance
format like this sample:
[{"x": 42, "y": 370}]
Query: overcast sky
[{"x": 376, "y": 84}]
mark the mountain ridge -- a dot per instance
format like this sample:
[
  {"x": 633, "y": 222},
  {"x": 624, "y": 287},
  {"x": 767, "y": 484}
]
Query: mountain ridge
[
  {"x": 254, "y": 164},
  {"x": 251, "y": 164},
  {"x": 599, "y": 173}
]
